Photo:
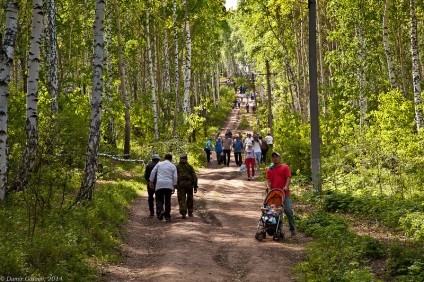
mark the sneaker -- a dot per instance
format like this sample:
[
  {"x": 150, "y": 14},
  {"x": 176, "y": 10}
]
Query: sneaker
[
  {"x": 253, "y": 178},
  {"x": 248, "y": 178},
  {"x": 152, "y": 215},
  {"x": 183, "y": 216},
  {"x": 190, "y": 214},
  {"x": 293, "y": 232},
  {"x": 168, "y": 219},
  {"x": 160, "y": 216}
]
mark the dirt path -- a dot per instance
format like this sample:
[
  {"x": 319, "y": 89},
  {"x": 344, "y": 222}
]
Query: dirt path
[{"x": 217, "y": 244}]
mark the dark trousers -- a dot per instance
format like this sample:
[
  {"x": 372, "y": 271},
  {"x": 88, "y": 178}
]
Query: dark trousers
[
  {"x": 263, "y": 156},
  {"x": 185, "y": 199},
  {"x": 151, "y": 199},
  {"x": 163, "y": 196},
  {"x": 237, "y": 157},
  {"x": 227, "y": 157},
  {"x": 219, "y": 157},
  {"x": 208, "y": 155}
]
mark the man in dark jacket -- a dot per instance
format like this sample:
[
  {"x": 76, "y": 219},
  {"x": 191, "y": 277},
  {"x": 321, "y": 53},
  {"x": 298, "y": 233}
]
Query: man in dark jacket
[
  {"x": 151, "y": 192},
  {"x": 187, "y": 183}
]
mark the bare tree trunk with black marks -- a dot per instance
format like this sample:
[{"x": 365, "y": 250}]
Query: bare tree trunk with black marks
[
  {"x": 89, "y": 180},
  {"x": 6, "y": 62}
]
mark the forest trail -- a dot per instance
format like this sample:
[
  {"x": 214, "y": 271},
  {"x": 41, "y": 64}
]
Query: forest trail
[{"x": 218, "y": 243}]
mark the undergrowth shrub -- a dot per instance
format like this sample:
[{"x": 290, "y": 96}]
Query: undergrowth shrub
[
  {"x": 406, "y": 263},
  {"x": 56, "y": 240},
  {"x": 336, "y": 254}
]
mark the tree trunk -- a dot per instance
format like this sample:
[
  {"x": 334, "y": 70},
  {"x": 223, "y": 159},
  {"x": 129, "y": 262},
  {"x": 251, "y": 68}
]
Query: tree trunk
[
  {"x": 187, "y": 66},
  {"x": 387, "y": 49},
  {"x": 415, "y": 67},
  {"x": 123, "y": 87},
  {"x": 31, "y": 146},
  {"x": 52, "y": 58},
  {"x": 152, "y": 75},
  {"x": 87, "y": 187},
  {"x": 177, "y": 74},
  {"x": 6, "y": 62}
]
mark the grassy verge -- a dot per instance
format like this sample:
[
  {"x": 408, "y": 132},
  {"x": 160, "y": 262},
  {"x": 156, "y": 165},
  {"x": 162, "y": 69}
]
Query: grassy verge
[
  {"x": 42, "y": 237},
  {"x": 341, "y": 253}
]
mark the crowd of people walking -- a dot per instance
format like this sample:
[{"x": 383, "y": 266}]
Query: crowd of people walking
[{"x": 250, "y": 151}]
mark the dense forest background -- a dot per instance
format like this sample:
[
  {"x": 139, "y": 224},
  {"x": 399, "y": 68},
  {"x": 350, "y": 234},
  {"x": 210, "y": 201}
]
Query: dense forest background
[{"x": 87, "y": 86}]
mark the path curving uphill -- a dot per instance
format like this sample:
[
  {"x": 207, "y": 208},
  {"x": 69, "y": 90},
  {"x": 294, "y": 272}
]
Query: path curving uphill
[{"x": 217, "y": 244}]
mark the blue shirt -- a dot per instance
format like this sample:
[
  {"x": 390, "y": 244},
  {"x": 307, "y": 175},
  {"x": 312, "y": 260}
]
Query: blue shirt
[
  {"x": 218, "y": 147},
  {"x": 238, "y": 146}
]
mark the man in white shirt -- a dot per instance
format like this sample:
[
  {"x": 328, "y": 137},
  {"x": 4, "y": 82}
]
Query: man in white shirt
[
  {"x": 257, "y": 148},
  {"x": 166, "y": 174},
  {"x": 269, "y": 140},
  {"x": 247, "y": 140}
]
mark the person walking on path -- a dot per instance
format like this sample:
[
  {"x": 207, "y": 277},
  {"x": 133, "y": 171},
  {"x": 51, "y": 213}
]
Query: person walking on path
[
  {"x": 227, "y": 143},
  {"x": 264, "y": 149},
  {"x": 186, "y": 185},
  {"x": 249, "y": 160},
  {"x": 166, "y": 173},
  {"x": 218, "y": 150},
  {"x": 151, "y": 191},
  {"x": 269, "y": 140},
  {"x": 257, "y": 148},
  {"x": 248, "y": 139},
  {"x": 247, "y": 107},
  {"x": 238, "y": 149},
  {"x": 208, "y": 149},
  {"x": 278, "y": 175}
]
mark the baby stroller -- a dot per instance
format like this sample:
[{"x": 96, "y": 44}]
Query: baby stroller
[{"x": 271, "y": 221}]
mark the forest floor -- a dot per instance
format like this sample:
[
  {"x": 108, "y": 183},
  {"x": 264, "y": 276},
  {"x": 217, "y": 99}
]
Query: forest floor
[{"x": 216, "y": 244}]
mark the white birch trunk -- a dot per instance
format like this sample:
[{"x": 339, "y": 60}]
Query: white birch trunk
[
  {"x": 110, "y": 133},
  {"x": 125, "y": 99},
  {"x": 218, "y": 96},
  {"x": 89, "y": 179},
  {"x": 213, "y": 89},
  {"x": 52, "y": 57},
  {"x": 167, "y": 77},
  {"x": 152, "y": 76},
  {"x": 31, "y": 146},
  {"x": 363, "y": 100},
  {"x": 387, "y": 49},
  {"x": 177, "y": 74},
  {"x": 187, "y": 65},
  {"x": 6, "y": 61},
  {"x": 415, "y": 67}
]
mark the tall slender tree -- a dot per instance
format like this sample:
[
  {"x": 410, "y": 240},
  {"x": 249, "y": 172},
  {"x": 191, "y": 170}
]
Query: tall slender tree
[
  {"x": 177, "y": 74},
  {"x": 87, "y": 187},
  {"x": 124, "y": 93},
  {"x": 6, "y": 61},
  {"x": 31, "y": 129},
  {"x": 415, "y": 66},
  {"x": 187, "y": 64},
  {"x": 52, "y": 57},
  {"x": 151, "y": 74}
]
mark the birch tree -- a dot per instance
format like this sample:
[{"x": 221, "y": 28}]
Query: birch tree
[
  {"x": 31, "y": 129},
  {"x": 415, "y": 66},
  {"x": 151, "y": 74},
  {"x": 387, "y": 49},
  {"x": 52, "y": 57},
  {"x": 177, "y": 74},
  {"x": 6, "y": 61},
  {"x": 124, "y": 93},
  {"x": 187, "y": 66},
  {"x": 89, "y": 179}
]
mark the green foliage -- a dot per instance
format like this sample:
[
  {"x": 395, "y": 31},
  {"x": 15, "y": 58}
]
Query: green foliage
[
  {"x": 45, "y": 238},
  {"x": 406, "y": 262},
  {"x": 336, "y": 254}
]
